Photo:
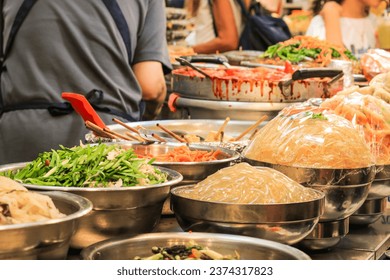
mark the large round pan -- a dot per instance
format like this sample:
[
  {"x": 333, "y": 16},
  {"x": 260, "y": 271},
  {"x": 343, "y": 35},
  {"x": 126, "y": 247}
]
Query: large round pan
[{"x": 305, "y": 84}]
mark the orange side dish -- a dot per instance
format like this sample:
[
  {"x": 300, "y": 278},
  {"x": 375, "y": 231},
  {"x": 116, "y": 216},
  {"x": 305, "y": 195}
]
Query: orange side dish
[{"x": 185, "y": 154}]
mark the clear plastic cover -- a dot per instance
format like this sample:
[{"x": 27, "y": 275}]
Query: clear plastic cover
[
  {"x": 370, "y": 116},
  {"x": 374, "y": 62},
  {"x": 245, "y": 184},
  {"x": 310, "y": 137}
]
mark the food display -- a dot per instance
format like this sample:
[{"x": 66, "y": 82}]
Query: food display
[
  {"x": 306, "y": 49},
  {"x": 308, "y": 136},
  {"x": 89, "y": 166},
  {"x": 371, "y": 116},
  {"x": 374, "y": 62},
  {"x": 18, "y": 205},
  {"x": 298, "y": 21},
  {"x": 184, "y": 154},
  {"x": 245, "y": 184},
  {"x": 189, "y": 251}
]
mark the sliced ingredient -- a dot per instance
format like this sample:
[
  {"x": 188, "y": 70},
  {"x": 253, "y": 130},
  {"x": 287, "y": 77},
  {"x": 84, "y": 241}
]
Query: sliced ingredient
[{"x": 89, "y": 166}]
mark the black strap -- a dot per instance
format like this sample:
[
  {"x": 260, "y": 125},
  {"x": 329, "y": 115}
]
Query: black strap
[
  {"x": 20, "y": 16},
  {"x": 121, "y": 24},
  {"x": 57, "y": 109}
]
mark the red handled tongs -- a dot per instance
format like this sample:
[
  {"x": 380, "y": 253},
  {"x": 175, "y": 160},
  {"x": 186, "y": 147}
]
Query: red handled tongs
[{"x": 91, "y": 118}]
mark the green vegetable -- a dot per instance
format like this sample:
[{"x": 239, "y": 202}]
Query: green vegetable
[{"x": 89, "y": 166}]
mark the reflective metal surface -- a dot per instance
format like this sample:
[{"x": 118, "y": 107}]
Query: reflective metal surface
[
  {"x": 371, "y": 210},
  {"x": 236, "y": 110},
  {"x": 325, "y": 235},
  {"x": 140, "y": 245},
  {"x": 201, "y": 127},
  {"x": 191, "y": 171},
  {"x": 285, "y": 223},
  {"x": 345, "y": 189},
  {"x": 48, "y": 239},
  {"x": 115, "y": 210}
]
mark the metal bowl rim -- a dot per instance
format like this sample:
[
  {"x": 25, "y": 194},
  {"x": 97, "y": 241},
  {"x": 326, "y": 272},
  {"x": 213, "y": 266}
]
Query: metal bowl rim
[
  {"x": 85, "y": 206},
  {"x": 233, "y": 155},
  {"x": 89, "y": 252},
  {"x": 177, "y": 178},
  {"x": 371, "y": 166},
  {"x": 177, "y": 189}
]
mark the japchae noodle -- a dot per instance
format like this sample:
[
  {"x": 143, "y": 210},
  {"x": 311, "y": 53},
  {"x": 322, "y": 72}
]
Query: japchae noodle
[
  {"x": 18, "y": 205},
  {"x": 245, "y": 184},
  {"x": 310, "y": 137},
  {"x": 370, "y": 116}
]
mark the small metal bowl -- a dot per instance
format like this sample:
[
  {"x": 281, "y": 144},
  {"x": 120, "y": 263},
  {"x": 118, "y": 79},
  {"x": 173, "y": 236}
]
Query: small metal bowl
[
  {"x": 345, "y": 189},
  {"x": 247, "y": 247},
  {"x": 286, "y": 223},
  {"x": 47, "y": 239},
  {"x": 325, "y": 235},
  {"x": 115, "y": 211},
  {"x": 369, "y": 212},
  {"x": 381, "y": 186},
  {"x": 192, "y": 172}
]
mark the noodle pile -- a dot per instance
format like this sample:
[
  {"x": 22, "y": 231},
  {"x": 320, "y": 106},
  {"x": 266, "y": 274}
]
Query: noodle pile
[
  {"x": 18, "y": 205},
  {"x": 310, "y": 137},
  {"x": 245, "y": 184},
  {"x": 371, "y": 116}
]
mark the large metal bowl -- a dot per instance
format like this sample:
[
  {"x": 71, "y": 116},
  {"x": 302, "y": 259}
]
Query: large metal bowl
[
  {"x": 287, "y": 223},
  {"x": 115, "y": 211},
  {"x": 345, "y": 189},
  {"x": 200, "y": 127},
  {"x": 375, "y": 204},
  {"x": 247, "y": 247},
  {"x": 192, "y": 172},
  {"x": 48, "y": 239}
]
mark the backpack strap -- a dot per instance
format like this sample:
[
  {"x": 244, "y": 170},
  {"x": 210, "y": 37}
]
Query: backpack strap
[{"x": 120, "y": 21}]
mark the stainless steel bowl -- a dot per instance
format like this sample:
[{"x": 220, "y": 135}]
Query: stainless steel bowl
[
  {"x": 192, "y": 172},
  {"x": 200, "y": 127},
  {"x": 247, "y": 247},
  {"x": 371, "y": 210},
  {"x": 325, "y": 235},
  {"x": 48, "y": 239},
  {"x": 115, "y": 210},
  {"x": 345, "y": 189},
  {"x": 381, "y": 186},
  {"x": 286, "y": 223}
]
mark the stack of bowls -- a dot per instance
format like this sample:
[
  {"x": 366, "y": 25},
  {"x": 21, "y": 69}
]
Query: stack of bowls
[
  {"x": 345, "y": 191},
  {"x": 375, "y": 204}
]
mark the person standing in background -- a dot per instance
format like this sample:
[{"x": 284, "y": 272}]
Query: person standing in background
[
  {"x": 114, "y": 49},
  {"x": 345, "y": 22},
  {"x": 218, "y": 25}
]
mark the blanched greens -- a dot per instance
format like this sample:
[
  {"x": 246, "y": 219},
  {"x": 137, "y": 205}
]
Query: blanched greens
[{"x": 89, "y": 166}]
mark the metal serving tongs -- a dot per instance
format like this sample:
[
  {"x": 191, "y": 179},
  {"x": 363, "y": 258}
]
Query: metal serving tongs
[
  {"x": 306, "y": 73},
  {"x": 183, "y": 61},
  {"x": 208, "y": 58},
  {"x": 92, "y": 120}
]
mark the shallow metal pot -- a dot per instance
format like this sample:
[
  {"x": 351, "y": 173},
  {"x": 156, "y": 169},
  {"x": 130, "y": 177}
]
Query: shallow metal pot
[
  {"x": 115, "y": 211},
  {"x": 345, "y": 189},
  {"x": 47, "y": 239},
  {"x": 217, "y": 109},
  {"x": 140, "y": 245},
  {"x": 286, "y": 223}
]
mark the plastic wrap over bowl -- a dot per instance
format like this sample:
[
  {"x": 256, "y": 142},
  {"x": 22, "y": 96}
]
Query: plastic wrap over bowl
[{"x": 286, "y": 223}]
